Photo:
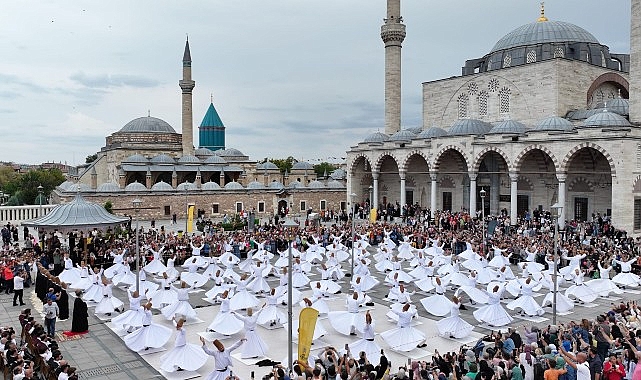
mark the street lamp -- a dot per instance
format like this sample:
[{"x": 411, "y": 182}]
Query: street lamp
[
  {"x": 186, "y": 208},
  {"x": 40, "y": 189},
  {"x": 483, "y": 193},
  {"x": 371, "y": 195},
  {"x": 353, "y": 197},
  {"x": 137, "y": 202},
  {"x": 558, "y": 208},
  {"x": 290, "y": 228}
]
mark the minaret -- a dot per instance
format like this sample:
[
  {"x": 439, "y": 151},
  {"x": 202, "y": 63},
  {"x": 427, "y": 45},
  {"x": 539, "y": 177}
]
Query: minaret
[
  {"x": 635, "y": 62},
  {"x": 187, "y": 85},
  {"x": 393, "y": 34}
]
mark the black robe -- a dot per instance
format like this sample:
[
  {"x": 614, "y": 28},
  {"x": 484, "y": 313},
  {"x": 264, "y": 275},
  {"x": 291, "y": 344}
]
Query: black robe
[
  {"x": 62, "y": 301},
  {"x": 79, "y": 322},
  {"x": 41, "y": 286}
]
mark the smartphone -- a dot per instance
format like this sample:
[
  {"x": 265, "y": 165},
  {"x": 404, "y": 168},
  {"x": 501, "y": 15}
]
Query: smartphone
[
  {"x": 346, "y": 346},
  {"x": 409, "y": 362},
  {"x": 252, "y": 374},
  {"x": 231, "y": 374}
]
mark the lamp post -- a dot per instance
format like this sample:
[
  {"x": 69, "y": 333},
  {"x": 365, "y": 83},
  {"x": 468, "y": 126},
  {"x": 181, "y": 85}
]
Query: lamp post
[
  {"x": 186, "y": 208},
  {"x": 291, "y": 228},
  {"x": 558, "y": 208},
  {"x": 353, "y": 196},
  {"x": 136, "y": 203},
  {"x": 40, "y": 188},
  {"x": 371, "y": 195},
  {"x": 483, "y": 193}
]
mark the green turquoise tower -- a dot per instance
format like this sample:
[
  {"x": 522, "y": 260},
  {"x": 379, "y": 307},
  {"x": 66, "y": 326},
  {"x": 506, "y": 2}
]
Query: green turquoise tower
[{"x": 211, "y": 133}]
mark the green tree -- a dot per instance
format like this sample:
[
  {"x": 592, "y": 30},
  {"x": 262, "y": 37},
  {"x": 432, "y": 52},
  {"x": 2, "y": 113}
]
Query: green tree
[
  {"x": 109, "y": 207},
  {"x": 27, "y": 184},
  {"x": 283, "y": 164},
  {"x": 91, "y": 158},
  {"x": 322, "y": 168}
]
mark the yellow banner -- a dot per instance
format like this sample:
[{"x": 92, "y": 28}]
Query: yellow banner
[
  {"x": 306, "y": 326},
  {"x": 372, "y": 215},
  {"x": 190, "y": 218}
]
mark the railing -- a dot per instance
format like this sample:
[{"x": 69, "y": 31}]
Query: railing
[{"x": 18, "y": 214}]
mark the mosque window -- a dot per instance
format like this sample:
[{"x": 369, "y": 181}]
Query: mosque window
[
  {"x": 463, "y": 101},
  {"x": 472, "y": 88},
  {"x": 323, "y": 204},
  {"x": 531, "y": 56},
  {"x": 261, "y": 206},
  {"x": 587, "y": 56},
  {"x": 239, "y": 207},
  {"x": 603, "y": 59},
  {"x": 507, "y": 61},
  {"x": 483, "y": 103},
  {"x": 493, "y": 85},
  {"x": 303, "y": 206},
  {"x": 559, "y": 52},
  {"x": 504, "y": 100},
  {"x": 215, "y": 208},
  {"x": 600, "y": 97},
  {"x": 637, "y": 213}
]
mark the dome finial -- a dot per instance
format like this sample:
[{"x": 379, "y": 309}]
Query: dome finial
[{"x": 542, "y": 17}]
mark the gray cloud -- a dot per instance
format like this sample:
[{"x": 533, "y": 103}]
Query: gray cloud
[{"x": 113, "y": 80}]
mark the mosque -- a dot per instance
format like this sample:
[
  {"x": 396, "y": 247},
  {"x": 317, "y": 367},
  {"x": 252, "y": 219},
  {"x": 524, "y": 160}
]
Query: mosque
[
  {"x": 149, "y": 160},
  {"x": 548, "y": 115}
]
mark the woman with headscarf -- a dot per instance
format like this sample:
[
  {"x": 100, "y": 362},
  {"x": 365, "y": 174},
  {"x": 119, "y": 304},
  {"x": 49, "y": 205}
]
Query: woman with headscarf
[{"x": 526, "y": 359}]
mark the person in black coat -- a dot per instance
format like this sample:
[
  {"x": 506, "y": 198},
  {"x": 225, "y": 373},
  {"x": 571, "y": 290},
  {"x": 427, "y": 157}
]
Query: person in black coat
[
  {"x": 63, "y": 298},
  {"x": 79, "y": 321}
]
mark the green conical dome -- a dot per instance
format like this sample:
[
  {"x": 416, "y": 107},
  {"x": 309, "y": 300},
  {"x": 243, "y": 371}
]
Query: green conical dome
[{"x": 211, "y": 133}]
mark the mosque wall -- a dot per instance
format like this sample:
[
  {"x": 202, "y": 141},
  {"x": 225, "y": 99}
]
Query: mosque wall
[{"x": 525, "y": 93}]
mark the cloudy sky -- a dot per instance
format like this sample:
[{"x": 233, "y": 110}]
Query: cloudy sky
[{"x": 288, "y": 77}]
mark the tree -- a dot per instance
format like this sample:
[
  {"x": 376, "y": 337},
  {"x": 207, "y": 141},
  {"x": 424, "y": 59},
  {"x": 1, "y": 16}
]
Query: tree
[
  {"x": 283, "y": 164},
  {"x": 91, "y": 158},
  {"x": 24, "y": 188},
  {"x": 324, "y": 167},
  {"x": 109, "y": 207}
]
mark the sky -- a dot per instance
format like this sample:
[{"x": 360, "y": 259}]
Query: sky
[{"x": 301, "y": 78}]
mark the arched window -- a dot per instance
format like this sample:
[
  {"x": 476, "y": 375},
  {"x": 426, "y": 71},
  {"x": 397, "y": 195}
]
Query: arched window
[
  {"x": 507, "y": 61},
  {"x": 603, "y": 59},
  {"x": 482, "y": 103},
  {"x": 559, "y": 52},
  {"x": 531, "y": 56},
  {"x": 493, "y": 85},
  {"x": 463, "y": 103},
  {"x": 504, "y": 100}
]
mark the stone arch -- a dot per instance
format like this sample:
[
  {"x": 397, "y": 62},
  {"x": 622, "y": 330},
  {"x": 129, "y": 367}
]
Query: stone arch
[
  {"x": 356, "y": 159},
  {"x": 435, "y": 165},
  {"x": 479, "y": 157},
  {"x": 619, "y": 82},
  {"x": 587, "y": 144},
  {"x": 379, "y": 161},
  {"x": 581, "y": 185},
  {"x": 636, "y": 188},
  {"x": 519, "y": 159},
  {"x": 405, "y": 160}
]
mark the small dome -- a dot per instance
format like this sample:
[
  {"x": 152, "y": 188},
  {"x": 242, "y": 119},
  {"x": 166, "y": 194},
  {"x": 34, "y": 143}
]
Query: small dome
[
  {"x": 188, "y": 159},
  {"x": 136, "y": 159},
  {"x": 334, "y": 184},
  {"x": 80, "y": 187},
  {"x": 554, "y": 123},
  {"x": 267, "y": 166},
  {"x": 108, "y": 187},
  {"x": 295, "y": 185},
  {"x": 544, "y": 32},
  {"x": 255, "y": 185},
  {"x": 509, "y": 127},
  {"x": 316, "y": 185},
  {"x": 376, "y": 137},
  {"x": 186, "y": 186},
  {"x": 135, "y": 186},
  {"x": 402, "y": 135},
  {"x": 215, "y": 160},
  {"x": 415, "y": 130},
  {"x": 276, "y": 185},
  {"x": 606, "y": 119},
  {"x": 338, "y": 174},
  {"x": 464, "y": 127},
  {"x": 432, "y": 132},
  {"x": 229, "y": 152},
  {"x": 203, "y": 152},
  {"x": 210, "y": 186},
  {"x": 147, "y": 125},
  {"x": 302, "y": 165},
  {"x": 161, "y": 186},
  {"x": 233, "y": 186},
  {"x": 618, "y": 105},
  {"x": 163, "y": 159},
  {"x": 66, "y": 185}
]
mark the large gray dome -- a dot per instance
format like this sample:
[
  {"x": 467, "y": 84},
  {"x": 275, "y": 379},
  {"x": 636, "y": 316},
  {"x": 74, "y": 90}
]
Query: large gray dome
[
  {"x": 403, "y": 135},
  {"x": 302, "y": 165},
  {"x": 618, "y": 105},
  {"x": 147, "y": 125},
  {"x": 606, "y": 119},
  {"x": 465, "y": 127},
  {"x": 554, "y": 123},
  {"x": 544, "y": 32},
  {"x": 509, "y": 127},
  {"x": 432, "y": 132},
  {"x": 376, "y": 137}
]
